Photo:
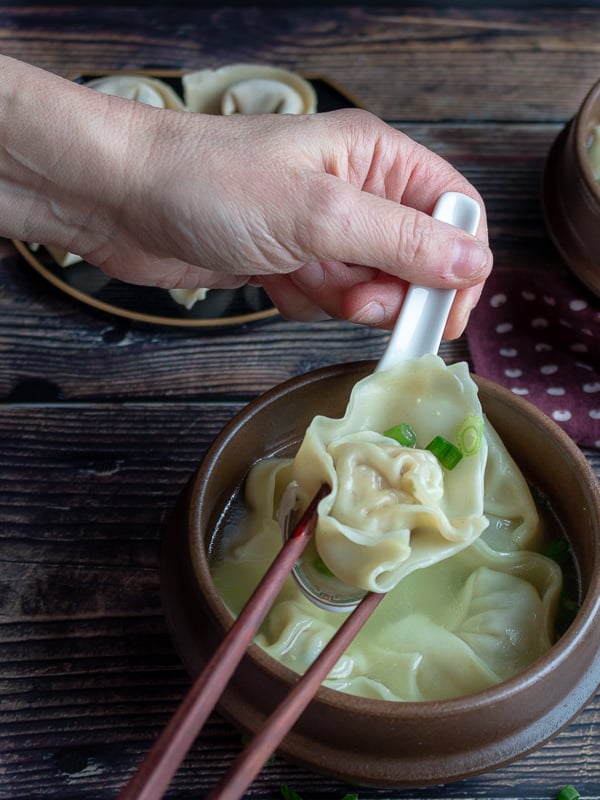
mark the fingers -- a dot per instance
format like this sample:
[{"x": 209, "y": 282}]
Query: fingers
[
  {"x": 458, "y": 318},
  {"x": 140, "y": 268},
  {"x": 430, "y": 177},
  {"x": 316, "y": 290},
  {"x": 402, "y": 241},
  {"x": 334, "y": 220},
  {"x": 290, "y": 300},
  {"x": 376, "y": 303},
  {"x": 339, "y": 291},
  {"x": 357, "y": 294}
]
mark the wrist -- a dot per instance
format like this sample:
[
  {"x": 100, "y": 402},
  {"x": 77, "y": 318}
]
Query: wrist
[{"x": 61, "y": 154}]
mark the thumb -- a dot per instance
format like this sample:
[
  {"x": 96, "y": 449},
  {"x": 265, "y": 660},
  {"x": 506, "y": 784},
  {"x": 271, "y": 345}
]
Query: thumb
[{"x": 402, "y": 241}]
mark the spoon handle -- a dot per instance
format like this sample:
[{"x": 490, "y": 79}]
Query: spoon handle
[{"x": 422, "y": 319}]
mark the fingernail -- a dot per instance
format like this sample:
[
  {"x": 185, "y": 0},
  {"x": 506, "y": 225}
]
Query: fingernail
[
  {"x": 469, "y": 258},
  {"x": 371, "y": 314},
  {"x": 310, "y": 275}
]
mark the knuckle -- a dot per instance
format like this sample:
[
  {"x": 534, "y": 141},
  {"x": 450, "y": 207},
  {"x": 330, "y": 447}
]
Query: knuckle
[{"x": 414, "y": 240}]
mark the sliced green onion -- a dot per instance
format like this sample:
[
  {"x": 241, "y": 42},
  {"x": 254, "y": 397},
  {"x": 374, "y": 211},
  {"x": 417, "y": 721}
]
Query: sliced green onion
[
  {"x": 568, "y": 792},
  {"x": 446, "y": 453},
  {"x": 288, "y": 793},
  {"x": 403, "y": 434},
  {"x": 469, "y": 435}
]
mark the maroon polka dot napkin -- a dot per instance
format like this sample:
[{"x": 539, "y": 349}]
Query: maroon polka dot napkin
[{"x": 538, "y": 334}]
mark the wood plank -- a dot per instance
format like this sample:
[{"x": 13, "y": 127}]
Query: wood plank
[
  {"x": 88, "y": 674},
  {"x": 404, "y": 64}
]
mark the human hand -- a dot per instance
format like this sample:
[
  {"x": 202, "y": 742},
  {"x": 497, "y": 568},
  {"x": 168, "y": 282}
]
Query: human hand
[{"x": 329, "y": 212}]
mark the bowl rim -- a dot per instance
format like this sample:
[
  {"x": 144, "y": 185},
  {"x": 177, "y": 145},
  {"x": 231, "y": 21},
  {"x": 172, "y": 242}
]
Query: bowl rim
[{"x": 559, "y": 651}]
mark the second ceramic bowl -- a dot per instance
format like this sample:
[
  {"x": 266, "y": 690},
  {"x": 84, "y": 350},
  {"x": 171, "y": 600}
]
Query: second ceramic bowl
[{"x": 571, "y": 194}]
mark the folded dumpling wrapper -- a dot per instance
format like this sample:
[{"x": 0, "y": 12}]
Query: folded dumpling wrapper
[
  {"x": 143, "y": 88},
  {"x": 188, "y": 297},
  {"x": 393, "y": 509},
  {"x": 62, "y": 257},
  {"x": 248, "y": 89},
  {"x": 474, "y": 616},
  {"x": 463, "y": 625}
]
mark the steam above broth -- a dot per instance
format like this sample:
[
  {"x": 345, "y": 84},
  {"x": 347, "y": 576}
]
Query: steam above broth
[{"x": 470, "y": 600}]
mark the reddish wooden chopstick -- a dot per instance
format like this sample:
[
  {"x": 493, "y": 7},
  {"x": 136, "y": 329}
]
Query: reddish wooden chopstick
[
  {"x": 251, "y": 760},
  {"x": 156, "y": 771}
]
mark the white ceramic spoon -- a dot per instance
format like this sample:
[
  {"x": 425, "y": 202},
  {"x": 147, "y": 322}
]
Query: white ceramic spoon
[
  {"x": 422, "y": 319},
  {"x": 418, "y": 330}
]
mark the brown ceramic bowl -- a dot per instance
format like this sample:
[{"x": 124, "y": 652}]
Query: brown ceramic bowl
[
  {"x": 375, "y": 742},
  {"x": 571, "y": 194}
]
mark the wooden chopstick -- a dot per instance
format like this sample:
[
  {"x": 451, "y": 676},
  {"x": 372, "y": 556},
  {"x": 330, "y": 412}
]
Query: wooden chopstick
[
  {"x": 153, "y": 776},
  {"x": 251, "y": 760}
]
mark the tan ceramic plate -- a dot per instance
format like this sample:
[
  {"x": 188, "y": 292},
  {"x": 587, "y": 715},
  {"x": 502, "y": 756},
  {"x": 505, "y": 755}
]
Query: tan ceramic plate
[{"x": 221, "y": 307}]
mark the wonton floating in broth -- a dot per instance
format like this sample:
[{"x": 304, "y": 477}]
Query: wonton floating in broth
[
  {"x": 394, "y": 508},
  {"x": 470, "y": 602}
]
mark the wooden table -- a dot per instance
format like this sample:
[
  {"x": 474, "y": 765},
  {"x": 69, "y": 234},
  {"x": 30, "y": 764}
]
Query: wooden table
[{"x": 103, "y": 419}]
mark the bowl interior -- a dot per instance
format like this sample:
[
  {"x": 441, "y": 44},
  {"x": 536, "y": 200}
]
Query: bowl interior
[{"x": 371, "y": 741}]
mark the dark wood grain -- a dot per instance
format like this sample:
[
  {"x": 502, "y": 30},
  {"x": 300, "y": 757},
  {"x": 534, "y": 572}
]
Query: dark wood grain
[
  {"x": 89, "y": 675},
  {"x": 406, "y": 63},
  {"x": 103, "y": 420}
]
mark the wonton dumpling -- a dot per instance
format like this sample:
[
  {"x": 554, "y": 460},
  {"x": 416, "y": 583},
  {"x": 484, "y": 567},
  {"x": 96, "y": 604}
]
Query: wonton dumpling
[
  {"x": 260, "y": 96},
  {"x": 144, "y": 89},
  {"x": 458, "y": 626},
  {"x": 248, "y": 89},
  {"x": 188, "y": 297},
  {"x": 508, "y": 500},
  {"x": 62, "y": 257},
  {"x": 393, "y": 509},
  {"x": 594, "y": 153}
]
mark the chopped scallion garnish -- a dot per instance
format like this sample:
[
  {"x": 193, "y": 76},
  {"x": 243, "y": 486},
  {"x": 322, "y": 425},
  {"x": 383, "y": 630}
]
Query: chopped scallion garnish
[
  {"x": 403, "y": 434},
  {"x": 288, "y": 793},
  {"x": 446, "y": 453},
  {"x": 568, "y": 792},
  {"x": 469, "y": 435}
]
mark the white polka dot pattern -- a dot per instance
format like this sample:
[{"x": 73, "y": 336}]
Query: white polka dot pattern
[{"x": 538, "y": 334}]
